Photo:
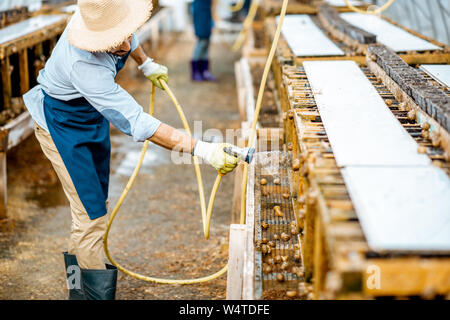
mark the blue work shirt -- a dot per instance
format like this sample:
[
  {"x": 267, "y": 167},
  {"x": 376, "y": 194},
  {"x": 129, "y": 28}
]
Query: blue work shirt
[{"x": 72, "y": 73}]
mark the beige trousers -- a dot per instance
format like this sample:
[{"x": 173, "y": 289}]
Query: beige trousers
[{"x": 86, "y": 236}]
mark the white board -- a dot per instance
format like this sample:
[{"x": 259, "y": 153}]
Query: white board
[
  {"x": 440, "y": 72},
  {"x": 28, "y": 26},
  {"x": 404, "y": 209},
  {"x": 361, "y": 128},
  {"x": 306, "y": 39},
  {"x": 388, "y": 34}
]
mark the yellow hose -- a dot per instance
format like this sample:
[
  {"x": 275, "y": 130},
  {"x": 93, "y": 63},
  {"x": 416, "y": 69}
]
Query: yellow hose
[
  {"x": 376, "y": 11},
  {"x": 206, "y": 213},
  {"x": 246, "y": 25},
  {"x": 262, "y": 86},
  {"x": 238, "y": 6}
]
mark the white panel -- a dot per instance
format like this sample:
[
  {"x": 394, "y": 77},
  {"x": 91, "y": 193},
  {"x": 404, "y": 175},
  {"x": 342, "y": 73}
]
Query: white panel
[
  {"x": 361, "y": 128},
  {"x": 28, "y": 26},
  {"x": 306, "y": 39},
  {"x": 440, "y": 72},
  {"x": 405, "y": 209},
  {"x": 342, "y": 3},
  {"x": 392, "y": 36}
]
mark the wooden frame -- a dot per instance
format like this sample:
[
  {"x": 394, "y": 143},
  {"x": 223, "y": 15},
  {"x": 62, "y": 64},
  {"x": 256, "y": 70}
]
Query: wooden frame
[
  {"x": 335, "y": 252},
  {"x": 20, "y": 127}
]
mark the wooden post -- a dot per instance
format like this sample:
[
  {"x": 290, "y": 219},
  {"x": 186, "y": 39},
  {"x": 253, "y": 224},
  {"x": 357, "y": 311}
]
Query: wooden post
[
  {"x": 6, "y": 80},
  {"x": 238, "y": 172},
  {"x": 236, "y": 256},
  {"x": 24, "y": 72},
  {"x": 3, "y": 176}
]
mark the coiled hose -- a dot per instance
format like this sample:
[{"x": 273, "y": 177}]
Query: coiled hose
[{"x": 206, "y": 213}]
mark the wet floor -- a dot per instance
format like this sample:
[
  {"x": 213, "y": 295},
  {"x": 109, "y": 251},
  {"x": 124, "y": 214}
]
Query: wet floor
[{"x": 158, "y": 232}]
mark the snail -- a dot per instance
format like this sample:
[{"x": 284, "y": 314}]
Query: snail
[
  {"x": 294, "y": 230},
  {"x": 264, "y": 249},
  {"x": 285, "y": 258},
  {"x": 264, "y": 192},
  {"x": 295, "y": 164},
  {"x": 422, "y": 149},
  {"x": 297, "y": 255},
  {"x": 389, "y": 102},
  {"x": 277, "y": 181},
  {"x": 285, "y": 237},
  {"x": 289, "y": 146},
  {"x": 291, "y": 293},
  {"x": 276, "y": 236},
  {"x": 267, "y": 269},
  {"x": 278, "y": 212},
  {"x": 265, "y": 225},
  {"x": 411, "y": 115},
  {"x": 263, "y": 181},
  {"x": 425, "y": 134},
  {"x": 264, "y": 240},
  {"x": 277, "y": 259},
  {"x": 270, "y": 260},
  {"x": 286, "y": 195},
  {"x": 280, "y": 277},
  {"x": 271, "y": 244},
  {"x": 284, "y": 265},
  {"x": 426, "y": 126}
]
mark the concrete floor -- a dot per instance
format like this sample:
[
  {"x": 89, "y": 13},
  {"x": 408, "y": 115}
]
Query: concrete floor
[{"x": 159, "y": 231}]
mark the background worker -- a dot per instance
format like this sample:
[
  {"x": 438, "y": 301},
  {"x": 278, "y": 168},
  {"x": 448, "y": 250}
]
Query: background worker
[
  {"x": 203, "y": 24},
  {"x": 74, "y": 103}
]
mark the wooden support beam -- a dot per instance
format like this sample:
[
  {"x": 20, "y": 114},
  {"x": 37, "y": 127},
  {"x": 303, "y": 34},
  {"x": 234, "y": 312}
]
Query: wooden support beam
[
  {"x": 3, "y": 175},
  {"x": 236, "y": 256},
  {"x": 24, "y": 72},
  {"x": 6, "y": 81}
]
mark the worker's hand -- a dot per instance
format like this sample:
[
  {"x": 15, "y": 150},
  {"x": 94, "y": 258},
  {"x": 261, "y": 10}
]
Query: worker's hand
[
  {"x": 213, "y": 153},
  {"x": 154, "y": 72}
]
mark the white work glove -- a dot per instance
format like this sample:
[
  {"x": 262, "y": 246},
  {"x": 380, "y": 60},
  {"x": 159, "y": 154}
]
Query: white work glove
[
  {"x": 213, "y": 154},
  {"x": 154, "y": 72}
]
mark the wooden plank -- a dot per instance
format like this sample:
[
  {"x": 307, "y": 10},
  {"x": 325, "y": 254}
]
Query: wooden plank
[
  {"x": 238, "y": 238},
  {"x": 6, "y": 81},
  {"x": 361, "y": 128},
  {"x": 402, "y": 208},
  {"x": 19, "y": 129},
  {"x": 407, "y": 277},
  {"x": 392, "y": 36},
  {"x": 3, "y": 174},
  {"x": 248, "y": 290},
  {"x": 24, "y": 72},
  {"x": 28, "y": 26},
  {"x": 306, "y": 39}
]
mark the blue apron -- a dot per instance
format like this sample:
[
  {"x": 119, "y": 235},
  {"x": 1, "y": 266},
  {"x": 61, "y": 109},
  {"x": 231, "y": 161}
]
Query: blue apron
[
  {"x": 202, "y": 16},
  {"x": 81, "y": 135}
]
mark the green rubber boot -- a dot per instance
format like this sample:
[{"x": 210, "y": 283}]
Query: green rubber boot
[
  {"x": 99, "y": 284},
  {"x": 73, "y": 273}
]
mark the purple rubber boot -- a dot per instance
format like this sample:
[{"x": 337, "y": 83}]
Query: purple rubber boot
[
  {"x": 196, "y": 71},
  {"x": 204, "y": 68}
]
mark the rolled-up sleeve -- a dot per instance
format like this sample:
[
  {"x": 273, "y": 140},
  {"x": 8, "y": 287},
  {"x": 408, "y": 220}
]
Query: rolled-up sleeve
[{"x": 97, "y": 85}]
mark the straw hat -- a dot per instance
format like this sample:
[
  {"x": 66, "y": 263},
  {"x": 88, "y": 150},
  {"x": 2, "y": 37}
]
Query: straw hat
[{"x": 100, "y": 25}]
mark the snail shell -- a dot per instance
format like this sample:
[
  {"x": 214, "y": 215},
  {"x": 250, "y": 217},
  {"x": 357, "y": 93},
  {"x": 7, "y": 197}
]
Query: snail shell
[
  {"x": 277, "y": 181},
  {"x": 291, "y": 293},
  {"x": 276, "y": 236},
  {"x": 285, "y": 237},
  {"x": 278, "y": 259},
  {"x": 280, "y": 277},
  {"x": 286, "y": 195},
  {"x": 284, "y": 265},
  {"x": 263, "y": 181}
]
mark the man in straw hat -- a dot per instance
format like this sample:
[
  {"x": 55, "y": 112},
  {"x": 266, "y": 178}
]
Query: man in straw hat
[{"x": 73, "y": 105}]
